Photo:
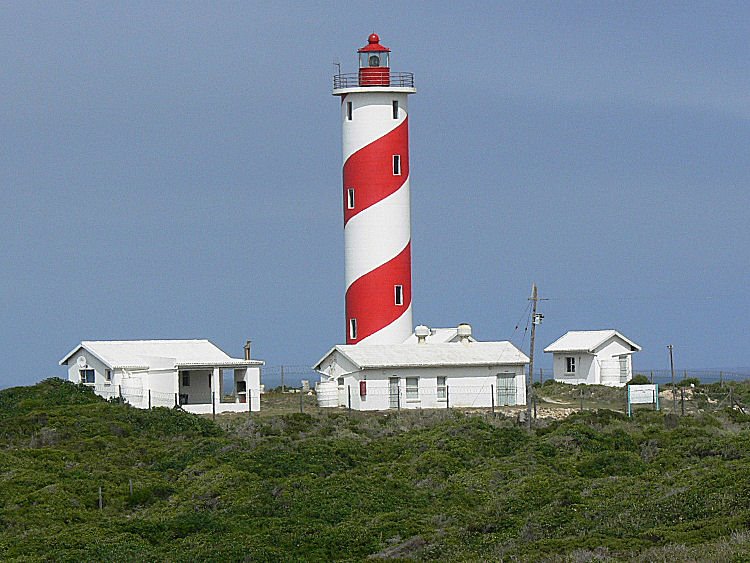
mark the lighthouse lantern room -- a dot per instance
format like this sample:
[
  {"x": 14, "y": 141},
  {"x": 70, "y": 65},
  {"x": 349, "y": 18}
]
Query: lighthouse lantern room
[
  {"x": 374, "y": 66},
  {"x": 375, "y": 198}
]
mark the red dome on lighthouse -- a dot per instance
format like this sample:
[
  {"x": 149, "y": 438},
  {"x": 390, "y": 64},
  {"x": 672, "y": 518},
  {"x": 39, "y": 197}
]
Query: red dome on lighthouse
[{"x": 373, "y": 44}]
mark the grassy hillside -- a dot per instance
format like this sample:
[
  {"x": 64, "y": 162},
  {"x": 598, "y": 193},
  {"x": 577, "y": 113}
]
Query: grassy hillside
[{"x": 426, "y": 485}]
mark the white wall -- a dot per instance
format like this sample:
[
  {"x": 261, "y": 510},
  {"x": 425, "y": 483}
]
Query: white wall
[
  {"x": 466, "y": 387},
  {"x": 199, "y": 390},
  {"x": 251, "y": 377},
  {"x": 163, "y": 385},
  {"x": 587, "y": 370},
  {"x": 336, "y": 365},
  {"x": 612, "y": 348},
  {"x": 129, "y": 385},
  {"x": 91, "y": 363}
]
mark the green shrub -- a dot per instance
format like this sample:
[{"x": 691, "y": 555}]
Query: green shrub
[
  {"x": 439, "y": 485},
  {"x": 639, "y": 379},
  {"x": 605, "y": 464}
]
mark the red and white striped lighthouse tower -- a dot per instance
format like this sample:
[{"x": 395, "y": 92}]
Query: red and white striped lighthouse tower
[{"x": 377, "y": 224}]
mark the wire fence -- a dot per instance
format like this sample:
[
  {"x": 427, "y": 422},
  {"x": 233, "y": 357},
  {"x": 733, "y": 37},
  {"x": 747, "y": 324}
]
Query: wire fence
[
  {"x": 696, "y": 390},
  {"x": 367, "y": 396},
  {"x": 703, "y": 375},
  {"x": 286, "y": 376},
  {"x": 707, "y": 375},
  {"x": 292, "y": 375},
  {"x": 149, "y": 398},
  {"x": 687, "y": 396}
]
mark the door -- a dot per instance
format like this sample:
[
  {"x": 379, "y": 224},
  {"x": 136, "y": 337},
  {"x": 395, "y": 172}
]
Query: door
[
  {"x": 393, "y": 391},
  {"x": 506, "y": 389},
  {"x": 623, "y": 369},
  {"x": 341, "y": 392}
]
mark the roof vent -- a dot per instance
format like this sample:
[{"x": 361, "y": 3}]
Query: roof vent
[
  {"x": 422, "y": 332},
  {"x": 464, "y": 332}
]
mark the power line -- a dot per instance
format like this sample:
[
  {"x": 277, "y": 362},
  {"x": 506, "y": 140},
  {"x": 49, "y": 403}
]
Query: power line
[
  {"x": 520, "y": 319},
  {"x": 639, "y": 298}
]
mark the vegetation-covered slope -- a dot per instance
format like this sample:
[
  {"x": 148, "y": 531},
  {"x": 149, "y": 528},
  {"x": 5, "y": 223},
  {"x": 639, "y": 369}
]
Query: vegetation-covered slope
[{"x": 429, "y": 485}]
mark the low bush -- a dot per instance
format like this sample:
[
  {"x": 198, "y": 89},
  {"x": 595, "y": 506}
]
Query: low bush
[
  {"x": 639, "y": 379},
  {"x": 333, "y": 486}
]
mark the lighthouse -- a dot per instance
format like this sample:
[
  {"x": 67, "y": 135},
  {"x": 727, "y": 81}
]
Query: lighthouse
[
  {"x": 384, "y": 364},
  {"x": 375, "y": 196}
]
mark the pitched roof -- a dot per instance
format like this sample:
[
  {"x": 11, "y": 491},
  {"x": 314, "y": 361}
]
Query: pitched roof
[
  {"x": 158, "y": 354},
  {"x": 586, "y": 341},
  {"x": 439, "y": 354}
]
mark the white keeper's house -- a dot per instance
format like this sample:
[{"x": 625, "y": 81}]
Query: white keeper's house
[
  {"x": 434, "y": 368},
  {"x": 151, "y": 373},
  {"x": 594, "y": 357}
]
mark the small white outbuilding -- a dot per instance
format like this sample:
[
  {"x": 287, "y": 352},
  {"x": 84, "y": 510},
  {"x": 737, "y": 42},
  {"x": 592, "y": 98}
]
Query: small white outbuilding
[
  {"x": 594, "y": 357},
  {"x": 436, "y": 368},
  {"x": 151, "y": 373}
]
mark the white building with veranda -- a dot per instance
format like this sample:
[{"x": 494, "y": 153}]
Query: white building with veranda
[{"x": 173, "y": 373}]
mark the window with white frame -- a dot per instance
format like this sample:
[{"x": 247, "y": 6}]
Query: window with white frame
[
  {"x": 350, "y": 198},
  {"x": 442, "y": 389},
  {"x": 87, "y": 376},
  {"x": 397, "y": 165},
  {"x": 570, "y": 364},
  {"x": 186, "y": 379},
  {"x": 395, "y": 109},
  {"x": 398, "y": 294},
  {"x": 412, "y": 388},
  {"x": 348, "y": 111},
  {"x": 353, "y": 329},
  {"x": 108, "y": 375}
]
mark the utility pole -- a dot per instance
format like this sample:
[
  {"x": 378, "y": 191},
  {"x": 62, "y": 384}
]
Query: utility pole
[
  {"x": 536, "y": 318},
  {"x": 674, "y": 392}
]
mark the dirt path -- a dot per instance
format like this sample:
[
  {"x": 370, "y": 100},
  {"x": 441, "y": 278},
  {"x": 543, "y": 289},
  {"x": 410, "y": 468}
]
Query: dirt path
[{"x": 553, "y": 401}]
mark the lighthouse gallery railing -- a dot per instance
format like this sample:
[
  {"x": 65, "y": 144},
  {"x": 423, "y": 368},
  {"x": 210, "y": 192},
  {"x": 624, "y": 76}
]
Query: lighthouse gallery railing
[{"x": 351, "y": 80}]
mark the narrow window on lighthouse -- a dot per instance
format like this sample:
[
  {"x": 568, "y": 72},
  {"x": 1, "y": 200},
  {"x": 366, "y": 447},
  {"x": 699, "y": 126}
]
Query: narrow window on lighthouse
[
  {"x": 395, "y": 109},
  {"x": 397, "y": 165},
  {"x": 353, "y": 329},
  {"x": 398, "y": 294},
  {"x": 348, "y": 111},
  {"x": 350, "y": 198}
]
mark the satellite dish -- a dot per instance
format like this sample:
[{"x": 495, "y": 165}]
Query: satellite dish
[{"x": 81, "y": 361}]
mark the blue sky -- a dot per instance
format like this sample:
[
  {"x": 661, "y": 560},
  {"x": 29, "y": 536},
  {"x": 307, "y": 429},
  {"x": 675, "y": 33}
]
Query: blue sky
[{"x": 172, "y": 170}]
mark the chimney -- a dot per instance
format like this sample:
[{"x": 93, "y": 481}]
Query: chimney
[{"x": 248, "y": 343}]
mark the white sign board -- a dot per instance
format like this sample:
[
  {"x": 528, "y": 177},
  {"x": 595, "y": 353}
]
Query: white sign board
[{"x": 643, "y": 394}]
